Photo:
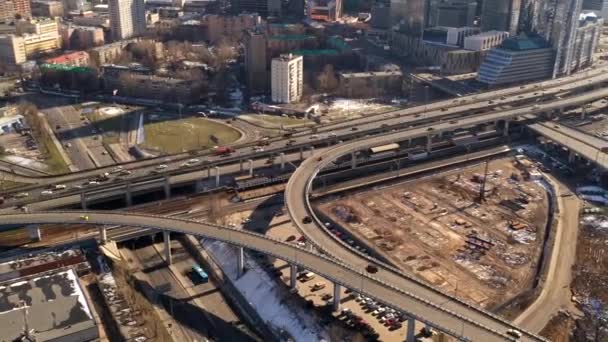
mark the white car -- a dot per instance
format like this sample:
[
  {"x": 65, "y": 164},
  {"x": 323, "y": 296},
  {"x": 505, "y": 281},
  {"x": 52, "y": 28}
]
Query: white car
[
  {"x": 93, "y": 182},
  {"x": 59, "y": 187},
  {"x": 116, "y": 169},
  {"x": 46, "y": 192},
  {"x": 193, "y": 161},
  {"x": 161, "y": 167},
  {"x": 21, "y": 195}
]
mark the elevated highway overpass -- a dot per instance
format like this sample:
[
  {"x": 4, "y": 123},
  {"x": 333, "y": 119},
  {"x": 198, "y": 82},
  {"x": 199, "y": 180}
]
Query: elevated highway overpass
[{"x": 400, "y": 295}]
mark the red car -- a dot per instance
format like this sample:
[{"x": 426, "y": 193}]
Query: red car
[{"x": 301, "y": 239}]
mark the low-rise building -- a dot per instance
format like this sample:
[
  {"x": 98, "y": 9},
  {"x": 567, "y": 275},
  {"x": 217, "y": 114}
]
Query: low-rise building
[
  {"x": 106, "y": 54},
  {"x": 517, "y": 59},
  {"x": 139, "y": 83},
  {"x": 78, "y": 58},
  {"x": 485, "y": 40},
  {"x": 370, "y": 84},
  {"x": 325, "y": 10},
  {"x": 216, "y": 26},
  {"x": 47, "y": 8},
  {"x": 287, "y": 78},
  {"x": 457, "y": 35}
]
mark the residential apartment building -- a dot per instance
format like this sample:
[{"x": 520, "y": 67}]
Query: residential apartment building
[
  {"x": 370, "y": 84},
  {"x": 517, "y": 59},
  {"x": 287, "y": 78},
  {"x": 23, "y": 8},
  {"x": 12, "y": 49},
  {"x": 127, "y": 18},
  {"x": 485, "y": 40},
  {"x": 7, "y": 11},
  {"x": 81, "y": 37}
]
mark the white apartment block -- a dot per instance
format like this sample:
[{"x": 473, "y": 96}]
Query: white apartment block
[
  {"x": 127, "y": 18},
  {"x": 287, "y": 74},
  {"x": 485, "y": 40}
]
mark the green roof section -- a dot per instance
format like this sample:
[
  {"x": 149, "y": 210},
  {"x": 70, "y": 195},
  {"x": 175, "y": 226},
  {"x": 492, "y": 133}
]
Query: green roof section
[
  {"x": 317, "y": 52},
  {"x": 338, "y": 43},
  {"x": 64, "y": 67},
  {"x": 292, "y": 37}
]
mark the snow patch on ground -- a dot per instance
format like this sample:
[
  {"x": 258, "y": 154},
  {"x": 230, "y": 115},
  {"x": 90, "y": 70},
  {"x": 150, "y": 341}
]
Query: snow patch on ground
[
  {"x": 263, "y": 294},
  {"x": 25, "y": 162}
]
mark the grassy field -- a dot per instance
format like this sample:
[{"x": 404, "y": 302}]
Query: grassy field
[
  {"x": 187, "y": 134},
  {"x": 275, "y": 121},
  {"x": 9, "y": 185}
]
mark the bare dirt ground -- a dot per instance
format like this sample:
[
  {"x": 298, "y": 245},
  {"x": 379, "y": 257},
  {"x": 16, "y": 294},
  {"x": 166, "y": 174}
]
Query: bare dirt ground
[
  {"x": 590, "y": 283},
  {"x": 436, "y": 229}
]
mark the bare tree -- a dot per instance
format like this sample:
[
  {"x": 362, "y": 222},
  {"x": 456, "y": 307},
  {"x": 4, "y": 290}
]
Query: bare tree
[{"x": 327, "y": 81}]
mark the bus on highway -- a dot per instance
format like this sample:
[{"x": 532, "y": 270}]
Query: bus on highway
[
  {"x": 199, "y": 275},
  {"x": 384, "y": 148}
]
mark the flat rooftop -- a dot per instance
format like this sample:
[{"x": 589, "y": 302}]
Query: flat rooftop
[{"x": 56, "y": 308}]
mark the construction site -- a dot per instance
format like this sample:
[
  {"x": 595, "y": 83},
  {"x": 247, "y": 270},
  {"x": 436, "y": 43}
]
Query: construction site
[{"x": 475, "y": 232}]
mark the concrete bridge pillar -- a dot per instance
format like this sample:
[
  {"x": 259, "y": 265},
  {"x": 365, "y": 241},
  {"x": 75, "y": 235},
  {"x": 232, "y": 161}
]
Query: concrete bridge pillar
[
  {"x": 282, "y": 157},
  {"x": 312, "y": 150},
  {"x": 103, "y": 235},
  {"x": 293, "y": 277},
  {"x": 241, "y": 165},
  {"x": 33, "y": 231},
  {"x": 429, "y": 139},
  {"x": 336, "y": 305},
  {"x": 217, "y": 176},
  {"x": 167, "y": 239},
  {"x": 301, "y": 153},
  {"x": 208, "y": 172},
  {"x": 250, "y": 161},
  {"x": 411, "y": 330},
  {"x": 571, "y": 157},
  {"x": 505, "y": 130},
  {"x": 198, "y": 186},
  {"x": 128, "y": 195},
  {"x": 353, "y": 162},
  {"x": 83, "y": 200},
  {"x": 167, "y": 186},
  {"x": 240, "y": 262}
]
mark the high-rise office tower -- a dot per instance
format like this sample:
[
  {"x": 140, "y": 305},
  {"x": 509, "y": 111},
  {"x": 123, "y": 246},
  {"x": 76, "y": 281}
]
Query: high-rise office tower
[
  {"x": 451, "y": 13},
  {"x": 500, "y": 15},
  {"x": 408, "y": 16},
  {"x": 600, "y": 7},
  {"x": 255, "y": 62},
  {"x": 127, "y": 18}
]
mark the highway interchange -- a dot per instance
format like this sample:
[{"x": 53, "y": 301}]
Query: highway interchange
[{"x": 403, "y": 292}]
